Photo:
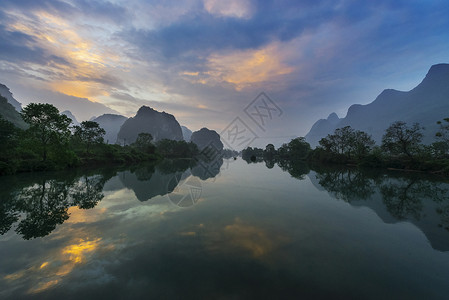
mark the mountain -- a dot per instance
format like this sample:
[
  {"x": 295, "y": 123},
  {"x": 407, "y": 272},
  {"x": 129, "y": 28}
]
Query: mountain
[
  {"x": 416, "y": 201},
  {"x": 9, "y": 113},
  {"x": 71, "y": 116},
  {"x": 161, "y": 125},
  {"x": 206, "y": 137},
  {"x": 426, "y": 104},
  {"x": 148, "y": 184},
  {"x": 186, "y": 133},
  {"x": 5, "y": 92},
  {"x": 321, "y": 128},
  {"x": 111, "y": 123}
]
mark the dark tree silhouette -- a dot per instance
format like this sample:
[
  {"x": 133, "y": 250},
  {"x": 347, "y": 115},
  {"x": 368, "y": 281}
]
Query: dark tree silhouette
[
  {"x": 346, "y": 184},
  {"x": 144, "y": 142},
  {"x": 90, "y": 133},
  {"x": 45, "y": 206},
  {"x": 47, "y": 126},
  {"x": 87, "y": 192},
  {"x": 402, "y": 139}
]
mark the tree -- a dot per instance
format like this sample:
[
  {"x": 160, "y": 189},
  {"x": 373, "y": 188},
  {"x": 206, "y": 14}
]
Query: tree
[
  {"x": 89, "y": 132},
  {"x": 402, "y": 139},
  {"x": 44, "y": 206},
  {"x": 443, "y": 134},
  {"x": 348, "y": 141},
  {"x": 343, "y": 138},
  {"x": 361, "y": 143},
  {"x": 298, "y": 148},
  {"x": 7, "y": 132},
  {"x": 144, "y": 142},
  {"x": 47, "y": 126},
  {"x": 269, "y": 152},
  {"x": 171, "y": 148}
]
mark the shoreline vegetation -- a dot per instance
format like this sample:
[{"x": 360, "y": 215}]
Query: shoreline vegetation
[
  {"x": 51, "y": 142},
  {"x": 401, "y": 150}
]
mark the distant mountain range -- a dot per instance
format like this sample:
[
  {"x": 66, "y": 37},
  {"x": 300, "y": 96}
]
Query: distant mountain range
[
  {"x": 426, "y": 104},
  {"x": 10, "y": 107},
  {"x": 111, "y": 123},
  {"x": 186, "y": 133},
  {"x": 5, "y": 92},
  {"x": 8, "y": 112},
  {"x": 69, "y": 114}
]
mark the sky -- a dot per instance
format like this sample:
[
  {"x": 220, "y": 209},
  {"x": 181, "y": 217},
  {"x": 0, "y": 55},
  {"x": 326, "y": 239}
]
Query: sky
[{"x": 207, "y": 61}]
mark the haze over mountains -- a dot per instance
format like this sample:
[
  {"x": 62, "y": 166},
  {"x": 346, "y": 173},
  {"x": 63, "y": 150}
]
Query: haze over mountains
[
  {"x": 186, "y": 133},
  {"x": 111, "y": 123},
  {"x": 69, "y": 114},
  {"x": 5, "y": 92},
  {"x": 426, "y": 104}
]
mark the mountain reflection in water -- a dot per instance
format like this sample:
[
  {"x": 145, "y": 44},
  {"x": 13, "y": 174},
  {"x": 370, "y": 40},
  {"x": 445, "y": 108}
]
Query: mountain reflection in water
[
  {"x": 224, "y": 229},
  {"x": 39, "y": 205}
]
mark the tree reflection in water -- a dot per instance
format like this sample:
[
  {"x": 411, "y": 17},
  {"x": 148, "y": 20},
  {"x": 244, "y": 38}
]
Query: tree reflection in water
[
  {"x": 39, "y": 206},
  {"x": 417, "y": 198},
  {"x": 346, "y": 184}
]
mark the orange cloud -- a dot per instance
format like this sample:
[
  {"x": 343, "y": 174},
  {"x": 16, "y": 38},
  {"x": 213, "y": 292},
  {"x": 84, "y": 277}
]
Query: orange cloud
[
  {"x": 47, "y": 274},
  {"x": 88, "y": 61},
  {"x": 244, "y": 68},
  {"x": 253, "y": 239}
]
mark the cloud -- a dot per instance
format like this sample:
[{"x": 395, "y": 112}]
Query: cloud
[
  {"x": 319, "y": 56},
  {"x": 233, "y": 8},
  {"x": 244, "y": 68},
  {"x": 82, "y": 108}
]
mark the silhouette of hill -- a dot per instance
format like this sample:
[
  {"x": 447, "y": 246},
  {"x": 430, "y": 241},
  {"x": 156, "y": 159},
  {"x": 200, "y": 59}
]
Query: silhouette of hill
[
  {"x": 71, "y": 116},
  {"x": 421, "y": 202},
  {"x": 5, "y": 92},
  {"x": 160, "y": 125},
  {"x": 426, "y": 103},
  {"x": 186, "y": 133},
  {"x": 8, "y": 112},
  {"x": 111, "y": 123},
  {"x": 206, "y": 137}
]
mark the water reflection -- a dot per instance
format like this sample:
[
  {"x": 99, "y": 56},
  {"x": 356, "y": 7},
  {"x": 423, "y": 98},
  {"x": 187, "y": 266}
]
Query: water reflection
[
  {"x": 38, "y": 206},
  {"x": 421, "y": 200},
  {"x": 260, "y": 234},
  {"x": 417, "y": 198}
]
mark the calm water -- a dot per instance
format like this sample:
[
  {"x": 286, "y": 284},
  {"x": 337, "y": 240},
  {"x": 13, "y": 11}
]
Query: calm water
[{"x": 183, "y": 230}]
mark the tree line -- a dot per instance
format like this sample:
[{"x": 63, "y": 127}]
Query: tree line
[
  {"x": 50, "y": 142},
  {"x": 401, "y": 148}
]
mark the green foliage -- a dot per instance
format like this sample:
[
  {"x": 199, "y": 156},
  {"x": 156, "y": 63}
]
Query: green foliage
[
  {"x": 252, "y": 154},
  {"x": 9, "y": 113},
  {"x": 270, "y": 152},
  {"x": 43, "y": 204},
  {"x": 402, "y": 139},
  {"x": 176, "y": 149},
  {"x": 298, "y": 148},
  {"x": 443, "y": 133},
  {"x": 144, "y": 143},
  {"x": 439, "y": 149},
  {"x": 8, "y": 144},
  {"x": 48, "y": 129},
  {"x": 89, "y": 133},
  {"x": 348, "y": 142}
]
